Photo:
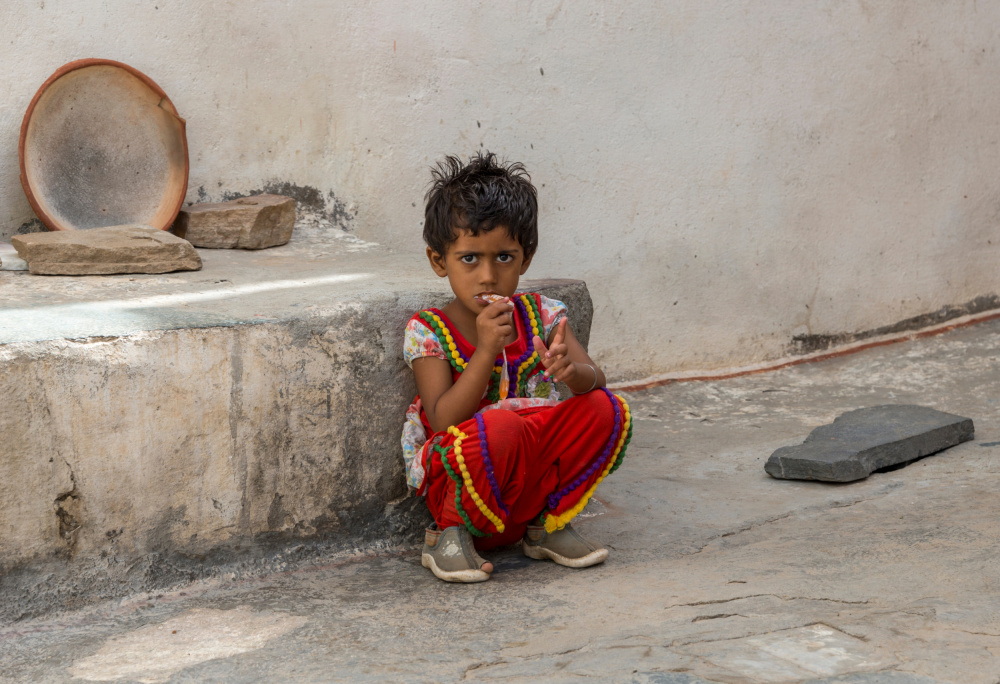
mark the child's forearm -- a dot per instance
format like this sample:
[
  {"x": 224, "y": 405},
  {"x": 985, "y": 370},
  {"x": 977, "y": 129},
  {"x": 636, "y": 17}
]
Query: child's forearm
[
  {"x": 461, "y": 400},
  {"x": 586, "y": 377}
]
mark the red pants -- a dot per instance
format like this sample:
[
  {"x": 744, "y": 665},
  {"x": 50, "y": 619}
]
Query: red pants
[{"x": 500, "y": 470}]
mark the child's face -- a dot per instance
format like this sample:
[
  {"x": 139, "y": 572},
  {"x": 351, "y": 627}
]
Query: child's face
[{"x": 489, "y": 263}]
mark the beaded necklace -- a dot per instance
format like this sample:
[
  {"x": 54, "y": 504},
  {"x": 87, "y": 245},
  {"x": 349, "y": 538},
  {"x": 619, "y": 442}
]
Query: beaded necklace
[{"x": 520, "y": 369}]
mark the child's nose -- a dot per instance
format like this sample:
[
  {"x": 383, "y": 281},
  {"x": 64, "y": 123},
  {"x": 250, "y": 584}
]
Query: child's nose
[{"x": 488, "y": 274}]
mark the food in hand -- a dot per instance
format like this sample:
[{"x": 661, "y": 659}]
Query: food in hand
[{"x": 489, "y": 298}]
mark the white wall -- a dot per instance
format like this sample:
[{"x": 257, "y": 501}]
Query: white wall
[{"x": 724, "y": 175}]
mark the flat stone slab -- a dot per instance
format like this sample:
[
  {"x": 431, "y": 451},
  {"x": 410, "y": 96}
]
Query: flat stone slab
[
  {"x": 860, "y": 442},
  {"x": 253, "y": 222},
  {"x": 106, "y": 251}
]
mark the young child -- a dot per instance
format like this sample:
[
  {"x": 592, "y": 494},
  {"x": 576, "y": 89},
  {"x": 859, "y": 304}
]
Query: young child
[{"x": 488, "y": 442}]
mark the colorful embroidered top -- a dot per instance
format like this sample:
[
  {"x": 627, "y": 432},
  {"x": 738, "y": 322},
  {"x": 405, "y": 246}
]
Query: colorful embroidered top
[{"x": 430, "y": 333}]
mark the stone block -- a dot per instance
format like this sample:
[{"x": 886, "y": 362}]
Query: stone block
[
  {"x": 860, "y": 442},
  {"x": 247, "y": 223},
  {"x": 9, "y": 260},
  {"x": 105, "y": 251}
]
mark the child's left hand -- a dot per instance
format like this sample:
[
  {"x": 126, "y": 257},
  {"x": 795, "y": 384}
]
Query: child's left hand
[{"x": 555, "y": 358}]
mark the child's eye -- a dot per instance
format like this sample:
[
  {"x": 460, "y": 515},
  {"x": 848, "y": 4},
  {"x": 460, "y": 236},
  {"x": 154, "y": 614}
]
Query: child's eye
[
  {"x": 468, "y": 259},
  {"x": 505, "y": 258}
]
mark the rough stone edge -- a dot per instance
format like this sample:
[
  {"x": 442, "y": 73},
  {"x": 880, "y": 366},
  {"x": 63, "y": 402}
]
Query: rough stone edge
[
  {"x": 867, "y": 462},
  {"x": 77, "y": 269},
  {"x": 939, "y": 439}
]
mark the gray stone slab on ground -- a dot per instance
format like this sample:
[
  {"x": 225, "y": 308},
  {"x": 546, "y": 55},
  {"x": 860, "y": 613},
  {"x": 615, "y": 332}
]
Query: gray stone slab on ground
[
  {"x": 860, "y": 442},
  {"x": 106, "y": 251},
  {"x": 253, "y": 222}
]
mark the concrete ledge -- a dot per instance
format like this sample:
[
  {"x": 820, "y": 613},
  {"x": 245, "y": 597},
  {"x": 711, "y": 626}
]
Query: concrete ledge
[{"x": 156, "y": 426}]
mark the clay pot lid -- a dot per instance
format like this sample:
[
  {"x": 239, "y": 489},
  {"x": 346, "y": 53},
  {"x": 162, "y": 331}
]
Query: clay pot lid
[{"x": 102, "y": 145}]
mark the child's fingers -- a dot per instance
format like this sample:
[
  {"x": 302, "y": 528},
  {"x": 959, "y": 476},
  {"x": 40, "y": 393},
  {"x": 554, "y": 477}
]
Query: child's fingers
[
  {"x": 554, "y": 364},
  {"x": 498, "y": 308},
  {"x": 560, "y": 368},
  {"x": 557, "y": 350},
  {"x": 567, "y": 372},
  {"x": 542, "y": 350},
  {"x": 560, "y": 333}
]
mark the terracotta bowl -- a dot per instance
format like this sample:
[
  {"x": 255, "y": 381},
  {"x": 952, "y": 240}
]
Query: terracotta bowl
[{"x": 102, "y": 145}]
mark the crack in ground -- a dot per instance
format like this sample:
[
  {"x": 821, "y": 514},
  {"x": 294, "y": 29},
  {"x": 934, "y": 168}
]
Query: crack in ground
[
  {"x": 848, "y": 632},
  {"x": 808, "y": 509},
  {"x": 472, "y": 668},
  {"x": 777, "y": 596},
  {"x": 740, "y": 530},
  {"x": 755, "y": 525},
  {"x": 518, "y": 659},
  {"x": 691, "y": 642},
  {"x": 965, "y": 631},
  {"x": 681, "y": 642},
  {"x": 718, "y": 616}
]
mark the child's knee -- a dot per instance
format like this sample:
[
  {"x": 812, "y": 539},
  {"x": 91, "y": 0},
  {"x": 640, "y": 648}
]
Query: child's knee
[{"x": 502, "y": 426}]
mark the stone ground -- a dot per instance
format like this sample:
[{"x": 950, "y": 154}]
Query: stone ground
[{"x": 717, "y": 572}]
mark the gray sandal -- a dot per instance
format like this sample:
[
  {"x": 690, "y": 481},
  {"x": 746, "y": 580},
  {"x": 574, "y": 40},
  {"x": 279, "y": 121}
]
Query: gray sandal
[
  {"x": 451, "y": 556},
  {"x": 565, "y": 547}
]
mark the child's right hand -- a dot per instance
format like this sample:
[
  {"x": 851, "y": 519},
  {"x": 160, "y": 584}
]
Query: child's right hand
[{"x": 494, "y": 326}]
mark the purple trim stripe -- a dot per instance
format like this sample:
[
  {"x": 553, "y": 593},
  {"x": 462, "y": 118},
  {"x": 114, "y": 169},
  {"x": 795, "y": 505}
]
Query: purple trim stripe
[
  {"x": 523, "y": 310},
  {"x": 489, "y": 464},
  {"x": 554, "y": 499}
]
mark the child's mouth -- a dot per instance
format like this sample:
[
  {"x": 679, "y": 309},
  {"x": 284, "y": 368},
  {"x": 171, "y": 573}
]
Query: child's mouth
[{"x": 488, "y": 298}]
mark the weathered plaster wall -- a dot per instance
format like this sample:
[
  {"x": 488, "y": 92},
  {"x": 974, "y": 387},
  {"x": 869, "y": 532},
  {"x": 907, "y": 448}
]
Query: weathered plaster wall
[{"x": 725, "y": 176}]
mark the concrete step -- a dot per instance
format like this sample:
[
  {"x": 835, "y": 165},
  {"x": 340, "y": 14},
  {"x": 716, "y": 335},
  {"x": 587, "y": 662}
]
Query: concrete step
[{"x": 155, "y": 426}]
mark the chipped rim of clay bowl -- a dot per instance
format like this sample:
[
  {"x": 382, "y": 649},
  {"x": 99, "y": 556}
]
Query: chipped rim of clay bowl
[{"x": 172, "y": 176}]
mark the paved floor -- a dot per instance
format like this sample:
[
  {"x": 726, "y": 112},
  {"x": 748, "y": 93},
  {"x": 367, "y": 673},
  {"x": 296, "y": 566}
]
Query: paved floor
[{"x": 717, "y": 572}]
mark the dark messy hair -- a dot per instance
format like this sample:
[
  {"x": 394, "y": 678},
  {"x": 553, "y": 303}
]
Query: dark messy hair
[{"x": 478, "y": 197}]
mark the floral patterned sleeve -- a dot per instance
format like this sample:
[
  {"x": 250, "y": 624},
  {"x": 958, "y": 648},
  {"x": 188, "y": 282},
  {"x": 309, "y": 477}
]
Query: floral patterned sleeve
[
  {"x": 420, "y": 341},
  {"x": 553, "y": 311}
]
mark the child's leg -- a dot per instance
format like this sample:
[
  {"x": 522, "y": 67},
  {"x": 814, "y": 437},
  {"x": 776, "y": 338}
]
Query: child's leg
[
  {"x": 473, "y": 480},
  {"x": 495, "y": 473},
  {"x": 577, "y": 443}
]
